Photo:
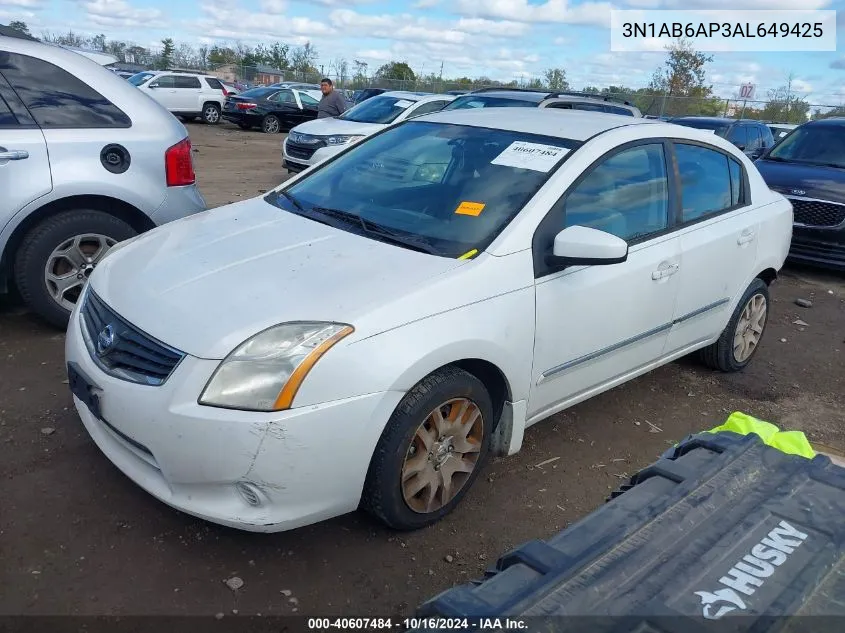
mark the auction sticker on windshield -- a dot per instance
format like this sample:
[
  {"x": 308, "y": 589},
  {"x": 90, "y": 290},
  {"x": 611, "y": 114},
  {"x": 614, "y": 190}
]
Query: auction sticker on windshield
[
  {"x": 402, "y": 103},
  {"x": 536, "y": 156},
  {"x": 470, "y": 208}
]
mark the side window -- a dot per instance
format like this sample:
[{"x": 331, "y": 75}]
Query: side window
[
  {"x": 165, "y": 81},
  {"x": 7, "y": 119},
  {"x": 186, "y": 82},
  {"x": 431, "y": 106},
  {"x": 214, "y": 83},
  {"x": 738, "y": 135},
  {"x": 626, "y": 195},
  {"x": 754, "y": 139},
  {"x": 591, "y": 107},
  {"x": 308, "y": 99},
  {"x": 58, "y": 99},
  {"x": 618, "y": 110},
  {"x": 768, "y": 137},
  {"x": 285, "y": 96},
  {"x": 736, "y": 182},
  {"x": 705, "y": 181}
]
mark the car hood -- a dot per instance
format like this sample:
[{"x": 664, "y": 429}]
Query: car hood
[
  {"x": 327, "y": 126},
  {"x": 206, "y": 283},
  {"x": 826, "y": 183}
]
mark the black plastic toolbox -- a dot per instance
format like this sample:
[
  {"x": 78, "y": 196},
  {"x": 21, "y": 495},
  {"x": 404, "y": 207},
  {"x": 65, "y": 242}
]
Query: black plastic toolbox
[{"x": 722, "y": 533}]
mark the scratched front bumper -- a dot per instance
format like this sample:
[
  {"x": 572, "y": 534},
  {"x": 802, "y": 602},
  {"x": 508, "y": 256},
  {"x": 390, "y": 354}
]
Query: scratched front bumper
[{"x": 307, "y": 464}]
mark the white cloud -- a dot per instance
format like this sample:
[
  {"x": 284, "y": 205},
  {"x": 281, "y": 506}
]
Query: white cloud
[
  {"x": 737, "y": 5},
  {"x": 119, "y": 13},
  {"x": 27, "y": 4},
  {"x": 500, "y": 28},
  {"x": 274, "y": 7},
  {"x": 596, "y": 13},
  {"x": 227, "y": 21}
]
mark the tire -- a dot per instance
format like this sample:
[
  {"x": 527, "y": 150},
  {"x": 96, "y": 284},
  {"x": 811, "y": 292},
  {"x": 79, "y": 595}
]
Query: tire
[
  {"x": 38, "y": 250},
  {"x": 211, "y": 113},
  {"x": 384, "y": 496},
  {"x": 722, "y": 355},
  {"x": 271, "y": 124}
]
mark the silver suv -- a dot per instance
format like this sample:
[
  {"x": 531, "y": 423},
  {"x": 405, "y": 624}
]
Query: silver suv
[{"x": 85, "y": 162}]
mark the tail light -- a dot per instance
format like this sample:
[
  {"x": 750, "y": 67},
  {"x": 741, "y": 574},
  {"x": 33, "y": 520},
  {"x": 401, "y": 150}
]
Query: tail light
[
  {"x": 179, "y": 164},
  {"x": 247, "y": 106}
]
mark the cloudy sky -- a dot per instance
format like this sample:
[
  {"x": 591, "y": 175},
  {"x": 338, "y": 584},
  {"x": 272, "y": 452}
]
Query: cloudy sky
[{"x": 502, "y": 39}]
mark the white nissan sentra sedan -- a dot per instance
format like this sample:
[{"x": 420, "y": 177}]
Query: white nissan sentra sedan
[{"x": 371, "y": 331}]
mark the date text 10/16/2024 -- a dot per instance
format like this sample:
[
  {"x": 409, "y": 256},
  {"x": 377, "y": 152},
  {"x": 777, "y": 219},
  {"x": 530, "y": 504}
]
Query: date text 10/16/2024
[{"x": 430, "y": 623}]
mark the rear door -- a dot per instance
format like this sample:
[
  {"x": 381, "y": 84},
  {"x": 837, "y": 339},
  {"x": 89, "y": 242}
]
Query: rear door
[
  {"x": 163, "y": 90},
  {"x": 718, "y": 241},
  {"x": 188, "y": 92},
  {"x": 24, "y": 164}
]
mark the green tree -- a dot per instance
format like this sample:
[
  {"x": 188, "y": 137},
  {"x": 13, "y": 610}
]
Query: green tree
[
  {"x": 20, "y": 27},
  {"x": 681, "y": 81},
  {"x": 168, "y": 52},
  {"x": 396, "y": 70},
  {"x": 303, "y": 58},
  {"x": 220, "y": 55},
  {"x": 784, "y": 106},
  {"x": 556, "y": 79},
  {"x": 98, "y": 43}
]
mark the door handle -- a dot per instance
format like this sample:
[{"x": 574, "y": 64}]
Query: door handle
[
  {"x": 746, "y": 238},
  {"x": 14, "y": 154},
  {"x": 668, "y": 271}
]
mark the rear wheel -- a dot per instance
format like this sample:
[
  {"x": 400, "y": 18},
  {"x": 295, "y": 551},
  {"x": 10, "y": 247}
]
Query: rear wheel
[
  {"x": 271, "y": 124},
  {"x": 211, "y": 113},
  {"x": 55, "y": 259},
  {"x": 741, "y": 338},
  {"x": 431, "y": 450}
]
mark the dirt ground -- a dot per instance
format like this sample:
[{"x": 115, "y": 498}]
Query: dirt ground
[{"x": 77, "y": 537}]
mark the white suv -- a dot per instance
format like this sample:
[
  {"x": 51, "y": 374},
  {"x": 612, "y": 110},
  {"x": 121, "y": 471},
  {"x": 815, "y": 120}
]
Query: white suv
[
  {"x": 84, "y": 164},
  {"x": 187, "y": 95}
]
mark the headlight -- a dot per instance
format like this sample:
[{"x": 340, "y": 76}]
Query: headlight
[
  {"x": 265, "y": 372},
  {"x": 342, "y": 139}
]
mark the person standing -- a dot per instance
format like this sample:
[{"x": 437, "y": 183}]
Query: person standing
[{"x": 332, "y": 103}]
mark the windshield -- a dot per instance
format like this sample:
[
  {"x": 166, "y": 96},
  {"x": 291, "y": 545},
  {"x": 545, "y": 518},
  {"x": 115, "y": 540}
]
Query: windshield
[
  {"x": 445, "y": 189},
  {"x": 474, "y": 101},
  {"x": 814, "y": 145},
  {"x": 140, "y": 78},
  {"x": 780, "y": 132},
  {"x": 703, "y": 124},
  {"x": 379, "y": 109}
]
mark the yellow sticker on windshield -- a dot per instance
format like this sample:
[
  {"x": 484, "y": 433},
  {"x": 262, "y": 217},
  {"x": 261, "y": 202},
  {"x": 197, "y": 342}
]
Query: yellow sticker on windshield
[
  {"x": 470, "y": 208},
  {"x": 469, "y": 254}
]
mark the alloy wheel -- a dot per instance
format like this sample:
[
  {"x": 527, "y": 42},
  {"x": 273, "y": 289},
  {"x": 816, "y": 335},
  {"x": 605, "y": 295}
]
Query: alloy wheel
[
  {"x": 71, "y": 263},
  {"x": 749, "y": 328}
]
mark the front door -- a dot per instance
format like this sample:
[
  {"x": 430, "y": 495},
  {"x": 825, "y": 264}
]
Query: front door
[{"x": 595, "y": 324}]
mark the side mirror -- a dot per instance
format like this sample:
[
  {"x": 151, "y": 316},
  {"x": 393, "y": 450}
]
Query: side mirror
[
  {"x": 583, "y": 246},
  {"x": 740, "y": 147}
]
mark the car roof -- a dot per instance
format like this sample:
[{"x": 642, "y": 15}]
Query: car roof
[
  {"x": 504, "y": 93},
  {"x": 576, "y": 125},
  {"x": 835, "y": 121}
]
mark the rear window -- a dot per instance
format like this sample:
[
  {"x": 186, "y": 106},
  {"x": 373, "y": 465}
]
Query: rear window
[
  {"x": 476, "y": 101},
  {"x": 58, "y": 99},
  {"x": 214, "y": 83}
]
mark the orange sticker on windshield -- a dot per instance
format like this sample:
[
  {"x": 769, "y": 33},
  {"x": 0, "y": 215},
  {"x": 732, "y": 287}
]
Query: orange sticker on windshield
[{"x": 470, "y": 208}]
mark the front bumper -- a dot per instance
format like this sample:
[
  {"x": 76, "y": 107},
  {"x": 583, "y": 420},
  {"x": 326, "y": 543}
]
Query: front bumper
[
  {"x": 296, "y": 164},
  {"x": 303, "y": 465},
  {"x": 819, "y": 247}
]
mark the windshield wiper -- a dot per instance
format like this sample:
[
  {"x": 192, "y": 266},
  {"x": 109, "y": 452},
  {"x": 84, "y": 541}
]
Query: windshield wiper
[
  {"x": 293, "y": 201},
  {"x": 373, "y": 228}
]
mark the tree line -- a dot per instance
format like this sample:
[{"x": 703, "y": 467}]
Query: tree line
[{"x": 677, "y": 87}]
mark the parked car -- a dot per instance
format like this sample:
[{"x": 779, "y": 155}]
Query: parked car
[
  {"x": 411, "y": 306},
  {"x": 84, "y": 164},
  {"x": 517, "y": 98},
  {"x": 780, "y": 130},
  {"x": 315, "y": 141},
  {"x": 295, "y": 85},
  {"x": 808, "y": 167},
  {"x": 271, "y": 109},
  {"x": 187, "y": 95},
  {"x": 230, "y": 88},
  {"x": 752, "y": 137},
  {"x": 367, "y": 93}
]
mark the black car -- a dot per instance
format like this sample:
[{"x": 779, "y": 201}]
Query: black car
[
  {"x": 271, "y": 109},
  {"x": 752, "y": 137},
  {"x": 808, "y": 167}
]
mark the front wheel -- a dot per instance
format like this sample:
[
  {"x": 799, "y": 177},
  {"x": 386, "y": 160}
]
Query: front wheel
[
  {"x": 55, "y": 259},
  {"x": 431, "y": 450},
  {"x": 741, "y": 338},
  {"x": 271, "y": 124}
]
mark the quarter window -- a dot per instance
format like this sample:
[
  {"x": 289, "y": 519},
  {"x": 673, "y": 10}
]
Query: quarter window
[
  {"x": 187, "y": 82},
  {"x": 626, "y": 195},
  {"x": 706, "y": 183},
  {"x": 214, "y": 83},
  {"x": 57, "y": 99}
]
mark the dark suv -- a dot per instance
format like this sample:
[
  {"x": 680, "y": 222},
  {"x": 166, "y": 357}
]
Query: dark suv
[
  {"x": 519, "y": 98},
  {"x": 808, "y": 167},
  {"x": 752, "y": 137}
]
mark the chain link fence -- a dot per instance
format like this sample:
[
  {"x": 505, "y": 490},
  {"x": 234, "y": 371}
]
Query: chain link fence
[{"x": 651, "y": 103}]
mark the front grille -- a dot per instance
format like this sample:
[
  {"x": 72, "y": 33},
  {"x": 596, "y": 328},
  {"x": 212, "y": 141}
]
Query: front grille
[
  {"x": 303, "y": 151},
  {"x": 132, "y": 354},
  {"x": 817, "y": 213}
]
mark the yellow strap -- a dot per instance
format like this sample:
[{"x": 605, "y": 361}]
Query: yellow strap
[{"x": 469, "y": 254}]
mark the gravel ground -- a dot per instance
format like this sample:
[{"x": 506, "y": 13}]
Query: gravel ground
[{"x": 77, "y": 537}]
